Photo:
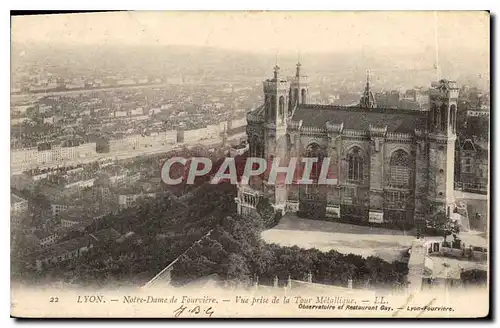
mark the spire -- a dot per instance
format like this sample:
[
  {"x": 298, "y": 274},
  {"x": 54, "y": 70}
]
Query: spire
[
  {"x": 436, "y": 34},
  {"x": 276, "y": 71},
  {"x": 276, "y": 68},
  {"x": 367, "y": 99},
  {"x": 297, "y": 73},
  {"x": 233, "y": 101}
]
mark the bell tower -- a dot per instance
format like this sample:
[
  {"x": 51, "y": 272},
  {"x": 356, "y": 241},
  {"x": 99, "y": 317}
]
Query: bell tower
[
  {"x": 442, "y": 124},
  {"x": 276, "y": 110},
  {"x": 275, "y": 129},
  {"x": 276, "y": 98},
  {"x": 299, "y": 88}
]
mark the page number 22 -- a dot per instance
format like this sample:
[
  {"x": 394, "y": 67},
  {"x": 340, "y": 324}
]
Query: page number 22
[{"x": 54, "y": 299}]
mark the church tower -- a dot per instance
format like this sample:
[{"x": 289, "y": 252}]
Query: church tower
[
  {"x": 442, "y": 135},
  {"x": 276, "y": 110},
  {"x": 299, "y": 88},
  {"x": 276, "y": 92}
]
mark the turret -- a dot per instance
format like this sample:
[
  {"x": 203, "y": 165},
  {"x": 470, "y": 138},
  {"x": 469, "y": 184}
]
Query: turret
[
  {"x": 367, "y": 99},
  {"x": 443, "y": 97},
  {"x": 299, "y": 88},
  {"x": 276, "y": 98}
]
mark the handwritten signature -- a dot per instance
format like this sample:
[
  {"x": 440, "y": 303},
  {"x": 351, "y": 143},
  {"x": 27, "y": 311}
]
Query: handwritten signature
[{"x": 197, "y": 310}]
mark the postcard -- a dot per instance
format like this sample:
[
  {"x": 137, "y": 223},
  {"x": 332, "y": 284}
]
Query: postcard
[{"x": 250, "y": 164}]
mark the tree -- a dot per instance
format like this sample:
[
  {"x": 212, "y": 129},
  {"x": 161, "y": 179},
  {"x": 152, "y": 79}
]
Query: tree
[
  {"x": 192, "y": 267},
  {"x": 444, "y": 225},
  {"x": 237, "y": 268},
  {"x": 451, "y": 227},
  {"x": 474, "y": 277},
  {"x": 269, "y": 216}
]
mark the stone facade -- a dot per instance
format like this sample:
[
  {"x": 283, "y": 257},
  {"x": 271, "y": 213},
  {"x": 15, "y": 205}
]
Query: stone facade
[{"x": 392, "y": 165}]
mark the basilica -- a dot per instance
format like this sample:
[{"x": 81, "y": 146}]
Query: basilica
[{"x": 392, "y": 165}]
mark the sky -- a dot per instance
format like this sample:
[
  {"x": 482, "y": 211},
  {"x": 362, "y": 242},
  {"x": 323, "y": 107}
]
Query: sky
[{"x": 277, "y": 32}]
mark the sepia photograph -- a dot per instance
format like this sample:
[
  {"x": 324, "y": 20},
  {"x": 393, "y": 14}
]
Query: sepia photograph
[{"x": 250, "y": 164}]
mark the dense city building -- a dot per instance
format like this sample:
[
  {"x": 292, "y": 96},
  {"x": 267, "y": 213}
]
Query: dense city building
[{"x": 471, "y": 167}]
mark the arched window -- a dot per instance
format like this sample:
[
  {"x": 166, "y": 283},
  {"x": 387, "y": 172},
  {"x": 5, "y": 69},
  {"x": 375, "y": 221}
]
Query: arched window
[
  {"x": 272, "y": 108},
  {"x": 435, "y": 115},
  {"x": 467, "y": 166},
  {"x": 256, "y": 149},
  {"x": 282, "y": 107},
  {"x": 444, "y": 108},
  {"x": 355, "y": 165},
  {"x": 400, "y": 169},
  {"x": 283, "y": 145},
  {"x": 303, "y": 96},
  {"x": 314, "y": 151},
  {"x": 453, "y": 117},
  {"x": 295, "y": 97},
  {"x": 288, "y": 143}
]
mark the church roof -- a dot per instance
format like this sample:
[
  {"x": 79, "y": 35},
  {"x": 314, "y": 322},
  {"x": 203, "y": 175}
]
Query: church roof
[{"x": 357, "y": 118}]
